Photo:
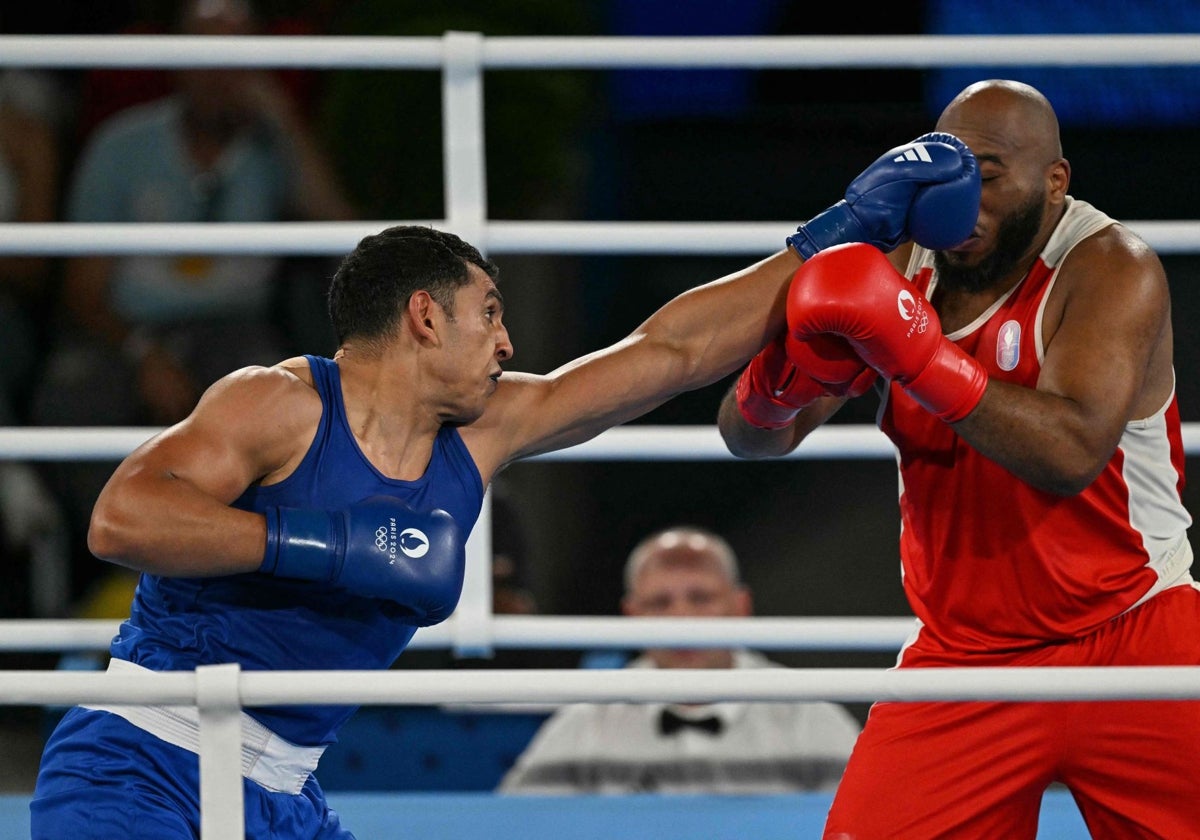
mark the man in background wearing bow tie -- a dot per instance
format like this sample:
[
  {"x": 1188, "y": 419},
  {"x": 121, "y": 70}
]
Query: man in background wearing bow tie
[{"x": 721, "y": 748}]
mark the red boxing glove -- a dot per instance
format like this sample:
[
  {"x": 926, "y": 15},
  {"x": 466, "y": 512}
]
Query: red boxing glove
[
  {"x": 831, "y": 362},
  {"x": 780, "y": 380},
  {"x": 853, "y": 291}
]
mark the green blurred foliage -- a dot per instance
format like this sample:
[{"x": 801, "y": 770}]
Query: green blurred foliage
[{"x": 384, "y": 128}]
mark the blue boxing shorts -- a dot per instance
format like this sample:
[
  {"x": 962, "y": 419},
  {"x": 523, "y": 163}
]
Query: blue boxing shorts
[{"x": 102, "y": 778}]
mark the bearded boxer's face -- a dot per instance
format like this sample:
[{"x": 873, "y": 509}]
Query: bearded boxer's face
[
  {"x": 1014, "y": 234},
  {"x": 1015, "y": 140}
]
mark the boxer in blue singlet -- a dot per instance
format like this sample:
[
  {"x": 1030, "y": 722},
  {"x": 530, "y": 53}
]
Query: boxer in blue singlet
[
  {"x": 179, "y": 623},
  {"x": 312, "y": 515}
]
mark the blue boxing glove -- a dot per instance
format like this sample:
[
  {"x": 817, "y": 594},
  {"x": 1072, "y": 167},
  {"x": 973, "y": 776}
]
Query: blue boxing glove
[
  {"x": 378, "y": 548},
  {"x": 927, "y": 190}
]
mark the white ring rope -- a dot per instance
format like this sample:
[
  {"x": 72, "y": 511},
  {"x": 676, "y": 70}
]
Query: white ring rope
[
  {"x": 338, "y": 238},
  {"x": 403, "y": 52},
  {"x": 633, "y": 685},
  {"x": 664, "y": 443},
  {"x": 624, "y": 443},
  {"x": 555, "y": 632}
]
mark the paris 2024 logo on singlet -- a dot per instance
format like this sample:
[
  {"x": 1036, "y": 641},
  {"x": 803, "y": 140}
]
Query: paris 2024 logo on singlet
[{"x": 1008, "y": 345}]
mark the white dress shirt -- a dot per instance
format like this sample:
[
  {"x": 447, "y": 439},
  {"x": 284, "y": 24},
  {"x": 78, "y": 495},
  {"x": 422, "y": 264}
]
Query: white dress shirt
[{"x": 621, "y": 748}]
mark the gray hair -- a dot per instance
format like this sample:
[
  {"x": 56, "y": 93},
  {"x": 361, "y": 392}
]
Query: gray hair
[{"x": 696, "y": 538}]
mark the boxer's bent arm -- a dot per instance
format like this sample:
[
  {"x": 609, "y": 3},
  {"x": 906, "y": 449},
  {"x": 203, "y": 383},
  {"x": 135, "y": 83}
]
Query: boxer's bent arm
[
  {"x": 165, "y": 510},
  {"x": 746, "y": 441},
  {"x": 692, "y": 341},
  {"x": 1108, "y": 362}
]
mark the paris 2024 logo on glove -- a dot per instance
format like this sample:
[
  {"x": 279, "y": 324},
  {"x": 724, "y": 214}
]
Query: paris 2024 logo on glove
[
  {"x": 913, "y": 311},
  {"x": 412, "y": 542}
]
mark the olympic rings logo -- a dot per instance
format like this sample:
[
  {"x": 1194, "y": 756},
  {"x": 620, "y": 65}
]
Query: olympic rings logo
[
  {"x": 909, "y": 309},
  {"x": 381, "y": 538}
]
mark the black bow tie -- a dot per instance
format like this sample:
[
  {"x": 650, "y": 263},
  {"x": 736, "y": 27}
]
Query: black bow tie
[{"x": 669, "y": 723}]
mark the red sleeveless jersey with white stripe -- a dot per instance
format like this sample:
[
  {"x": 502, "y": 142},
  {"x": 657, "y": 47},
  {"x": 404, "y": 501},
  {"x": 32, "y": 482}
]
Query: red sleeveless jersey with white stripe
[{"x": 990, "y": 562}]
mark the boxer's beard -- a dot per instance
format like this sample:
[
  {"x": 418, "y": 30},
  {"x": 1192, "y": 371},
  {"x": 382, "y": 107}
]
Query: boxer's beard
[{"x": 1016, "y": 234}]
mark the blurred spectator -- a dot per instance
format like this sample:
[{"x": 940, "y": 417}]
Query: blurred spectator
[
  {"x": 721, "y": 748},
  {"x": 32, "y": 111},
  {"x": 143, "y": 335},
  {"x": 510, "y": 557},
  {"x": 103, "y": 91},
  {"x": 30, "y": 166}
]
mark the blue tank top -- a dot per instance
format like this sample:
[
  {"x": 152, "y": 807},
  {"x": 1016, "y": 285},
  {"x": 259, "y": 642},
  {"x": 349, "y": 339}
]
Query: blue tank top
[{"x": 266, "y": 623}]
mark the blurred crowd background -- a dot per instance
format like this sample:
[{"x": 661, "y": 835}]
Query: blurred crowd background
[{"x": 815, "y": 537}]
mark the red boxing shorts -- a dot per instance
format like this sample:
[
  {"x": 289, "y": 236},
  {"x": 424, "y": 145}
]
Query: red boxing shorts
[{"x": 937, "y": 771}]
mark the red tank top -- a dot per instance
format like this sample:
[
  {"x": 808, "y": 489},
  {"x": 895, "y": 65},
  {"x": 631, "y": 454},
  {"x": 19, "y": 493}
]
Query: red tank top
[{"x": 990, "y": 562}]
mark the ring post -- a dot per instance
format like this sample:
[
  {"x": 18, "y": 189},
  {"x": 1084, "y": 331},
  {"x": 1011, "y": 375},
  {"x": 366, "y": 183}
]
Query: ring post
[{"x": 222, "y": 808}]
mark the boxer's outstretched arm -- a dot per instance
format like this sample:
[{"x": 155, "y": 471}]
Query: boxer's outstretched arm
[
  {"x": 692, "y": 341},
  {"x": 931, "y": 184}
]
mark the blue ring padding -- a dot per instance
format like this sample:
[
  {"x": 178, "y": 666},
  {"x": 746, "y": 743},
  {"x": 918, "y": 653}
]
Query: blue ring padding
[{"x": 646, "y": 817}]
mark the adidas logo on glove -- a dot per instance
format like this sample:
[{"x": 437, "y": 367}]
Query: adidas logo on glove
[
  {"x": 913, "y": 154},
  {"x": 934, "y": 204}
]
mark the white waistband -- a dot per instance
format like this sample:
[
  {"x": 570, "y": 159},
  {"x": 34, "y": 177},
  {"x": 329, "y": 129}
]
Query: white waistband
[
  {"x": 271, "y": 761},
  {"x": 1174, "y": 568}
]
